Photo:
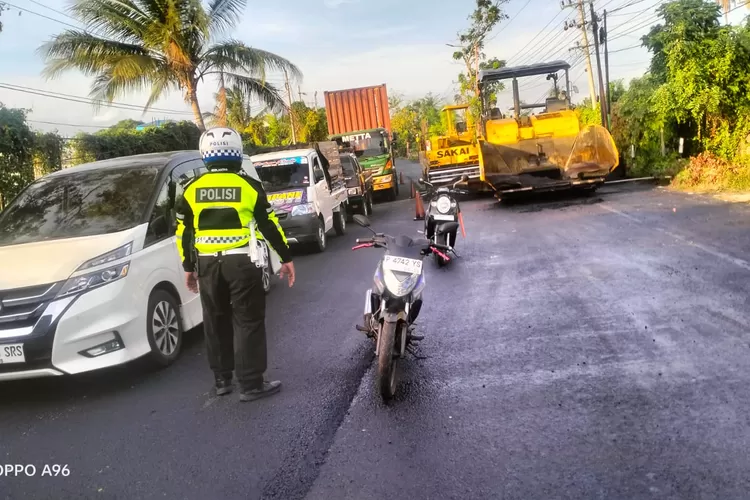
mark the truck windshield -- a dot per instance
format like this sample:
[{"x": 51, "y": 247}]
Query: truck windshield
[
  {"x": 280, "y": 175},
  {"x": 78, "y": 204},
  {"x": 366, "y": 144}
]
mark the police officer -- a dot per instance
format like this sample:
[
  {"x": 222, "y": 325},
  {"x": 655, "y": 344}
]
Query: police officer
[{"x": 215, "y": 212}]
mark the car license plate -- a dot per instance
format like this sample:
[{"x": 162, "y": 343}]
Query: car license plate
[
  {"x": 443, "y": 217},
  {"x": 11, "y": 353},
  {"x": 402, "y": 264}
]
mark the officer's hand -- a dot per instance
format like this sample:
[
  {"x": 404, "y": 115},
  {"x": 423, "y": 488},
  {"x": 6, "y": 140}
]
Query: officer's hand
[
  {"x": 288, "y": 269},
  {"x": 191, "y": 280}
]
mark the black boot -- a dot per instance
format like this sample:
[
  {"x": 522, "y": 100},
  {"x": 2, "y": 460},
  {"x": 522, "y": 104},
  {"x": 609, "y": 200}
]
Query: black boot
[
  {"x": 267, "y": 389},
  {"x": 223, "y": 385}
]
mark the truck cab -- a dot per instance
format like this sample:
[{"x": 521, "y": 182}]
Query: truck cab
[
  {"x": 308, "y": 196},
  {"x": 374, "y": 150},
  {"x": 358, "y": 185},
  {"x": 446, "y": 157}
]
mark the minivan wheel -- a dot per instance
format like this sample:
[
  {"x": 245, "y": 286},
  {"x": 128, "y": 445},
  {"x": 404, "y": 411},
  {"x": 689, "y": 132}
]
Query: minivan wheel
[
  {"x": 164, "y": 328},
  {"x": 320, "y": 240},
  {"x": 339, "y": 220}
]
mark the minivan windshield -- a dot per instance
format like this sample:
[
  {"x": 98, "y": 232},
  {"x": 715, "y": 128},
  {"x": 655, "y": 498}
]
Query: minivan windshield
[
  {"x": 78, "y": 204},
  {"x": 283, "y": 174}
]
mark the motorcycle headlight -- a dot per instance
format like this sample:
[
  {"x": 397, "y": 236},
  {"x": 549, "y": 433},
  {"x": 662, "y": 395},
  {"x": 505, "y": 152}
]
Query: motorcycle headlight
[
  {"x": 400, "y": 288},
  {"x": 304, "y": 209},
  {"x": 443, "y": 204}
]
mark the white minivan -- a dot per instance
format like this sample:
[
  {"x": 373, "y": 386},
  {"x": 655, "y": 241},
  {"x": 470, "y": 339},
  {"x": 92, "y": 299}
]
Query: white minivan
[{"x": 90, "y": 276}]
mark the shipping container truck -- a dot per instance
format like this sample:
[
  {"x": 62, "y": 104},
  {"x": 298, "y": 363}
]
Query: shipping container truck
[{"x": 359, "y": 119}]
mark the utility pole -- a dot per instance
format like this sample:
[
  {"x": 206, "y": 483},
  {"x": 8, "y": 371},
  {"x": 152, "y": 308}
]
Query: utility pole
[
  {"x": 291, "y": 115},
  {"x": 316, "y": 100},
  {"x": 602, "y": 93},
  {"x": 606, "y": 68},
  {"x": 585, "y": 47}
]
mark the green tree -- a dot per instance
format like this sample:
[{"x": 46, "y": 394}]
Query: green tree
[
  {"x": 695, "y": 20},
  {"x": 483, "y": 19},
  {"x": 16, "y": 153},
  {"x": 127, "y": 124},
  {"x": 409, "y": 120},
  {"x": 48, "y": 153},
  {"x": 162, "y": 46}
]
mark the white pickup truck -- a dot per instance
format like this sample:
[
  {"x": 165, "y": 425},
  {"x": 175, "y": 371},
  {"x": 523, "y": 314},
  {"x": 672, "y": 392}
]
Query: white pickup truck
[{"x": 306, "y": 188}]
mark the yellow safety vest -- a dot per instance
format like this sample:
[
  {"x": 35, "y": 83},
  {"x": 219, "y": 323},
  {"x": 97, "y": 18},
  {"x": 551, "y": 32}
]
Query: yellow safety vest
[{"x": 223, "y": 204}]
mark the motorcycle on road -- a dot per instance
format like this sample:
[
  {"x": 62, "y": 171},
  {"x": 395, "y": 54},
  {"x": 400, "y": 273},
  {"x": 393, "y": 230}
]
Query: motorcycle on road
[
  {"x": 443, "y": 216},
  {"x": 392, "y": 306}
]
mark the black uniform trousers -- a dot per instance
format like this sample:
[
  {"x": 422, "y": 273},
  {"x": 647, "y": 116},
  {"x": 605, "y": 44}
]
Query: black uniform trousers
[{"x": 234, "y": 317}]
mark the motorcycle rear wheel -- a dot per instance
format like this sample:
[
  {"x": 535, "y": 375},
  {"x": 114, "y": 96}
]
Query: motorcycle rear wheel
[{"x": 387, "y": 364}]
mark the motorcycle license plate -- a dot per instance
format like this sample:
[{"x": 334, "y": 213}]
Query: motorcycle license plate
[
  {"x": 444, "y": 217},
  {"x": 402, "y": 264}
]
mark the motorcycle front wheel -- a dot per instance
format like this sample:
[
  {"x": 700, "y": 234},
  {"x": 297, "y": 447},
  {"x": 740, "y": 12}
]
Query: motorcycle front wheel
[
  {"x": 387, "y": 364},
  {"x": 440, "y": 239}
]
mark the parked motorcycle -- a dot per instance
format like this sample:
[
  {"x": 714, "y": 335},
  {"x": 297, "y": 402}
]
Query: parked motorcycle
[
  {"x": 443, "y": 216},
  {"x": 393, "y": 305}
]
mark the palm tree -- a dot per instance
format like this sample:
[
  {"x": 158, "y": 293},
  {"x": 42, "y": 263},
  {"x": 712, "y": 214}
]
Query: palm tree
[
  {"x": 162, "y": 46},
  {"x": 232, "y": 109}
]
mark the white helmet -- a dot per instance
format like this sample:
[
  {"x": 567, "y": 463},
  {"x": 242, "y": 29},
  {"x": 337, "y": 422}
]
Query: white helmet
[{"x": 221, "y": 147}]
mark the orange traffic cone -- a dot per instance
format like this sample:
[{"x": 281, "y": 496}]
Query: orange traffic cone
[
  {"x": 419, "y": 208},
  {"x": 461, "y": 223}
]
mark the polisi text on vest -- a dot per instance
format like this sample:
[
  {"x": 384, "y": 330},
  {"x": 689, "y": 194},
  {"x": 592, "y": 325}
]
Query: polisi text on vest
[{"x": 212, "y": 194}]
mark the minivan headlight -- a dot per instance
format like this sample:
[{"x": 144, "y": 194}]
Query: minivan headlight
[
  {"x": 116, "y": 254},
  {"x": 304, "y": 209},
  {"x": 94, "y": 279}
]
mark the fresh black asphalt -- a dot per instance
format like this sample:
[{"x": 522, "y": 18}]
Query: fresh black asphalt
[{"x": 590, "y": 347}]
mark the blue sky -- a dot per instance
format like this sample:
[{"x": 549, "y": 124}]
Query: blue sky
[{"x": 337, "y": 44}]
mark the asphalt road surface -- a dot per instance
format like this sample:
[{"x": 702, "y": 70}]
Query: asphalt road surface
[{"x": 581, "y": 348}]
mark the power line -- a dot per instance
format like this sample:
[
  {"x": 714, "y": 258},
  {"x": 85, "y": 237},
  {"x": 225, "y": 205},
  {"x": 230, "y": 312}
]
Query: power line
[
  {"x": 67, "y": 124},
  {"x": 523, "y": 49},
  {"x": 511, "y": 20},
  {"x": 54, "y": 10},
  {"x": 86, "y": 100},
  {"x": 40, "y": 15}
]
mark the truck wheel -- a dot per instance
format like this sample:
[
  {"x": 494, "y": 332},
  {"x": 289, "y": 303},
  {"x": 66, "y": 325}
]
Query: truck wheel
[
  {"x": 367, "y": 205},
  {"x": 320, "y": 241},
  {"x": 339, "y": 220}
]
